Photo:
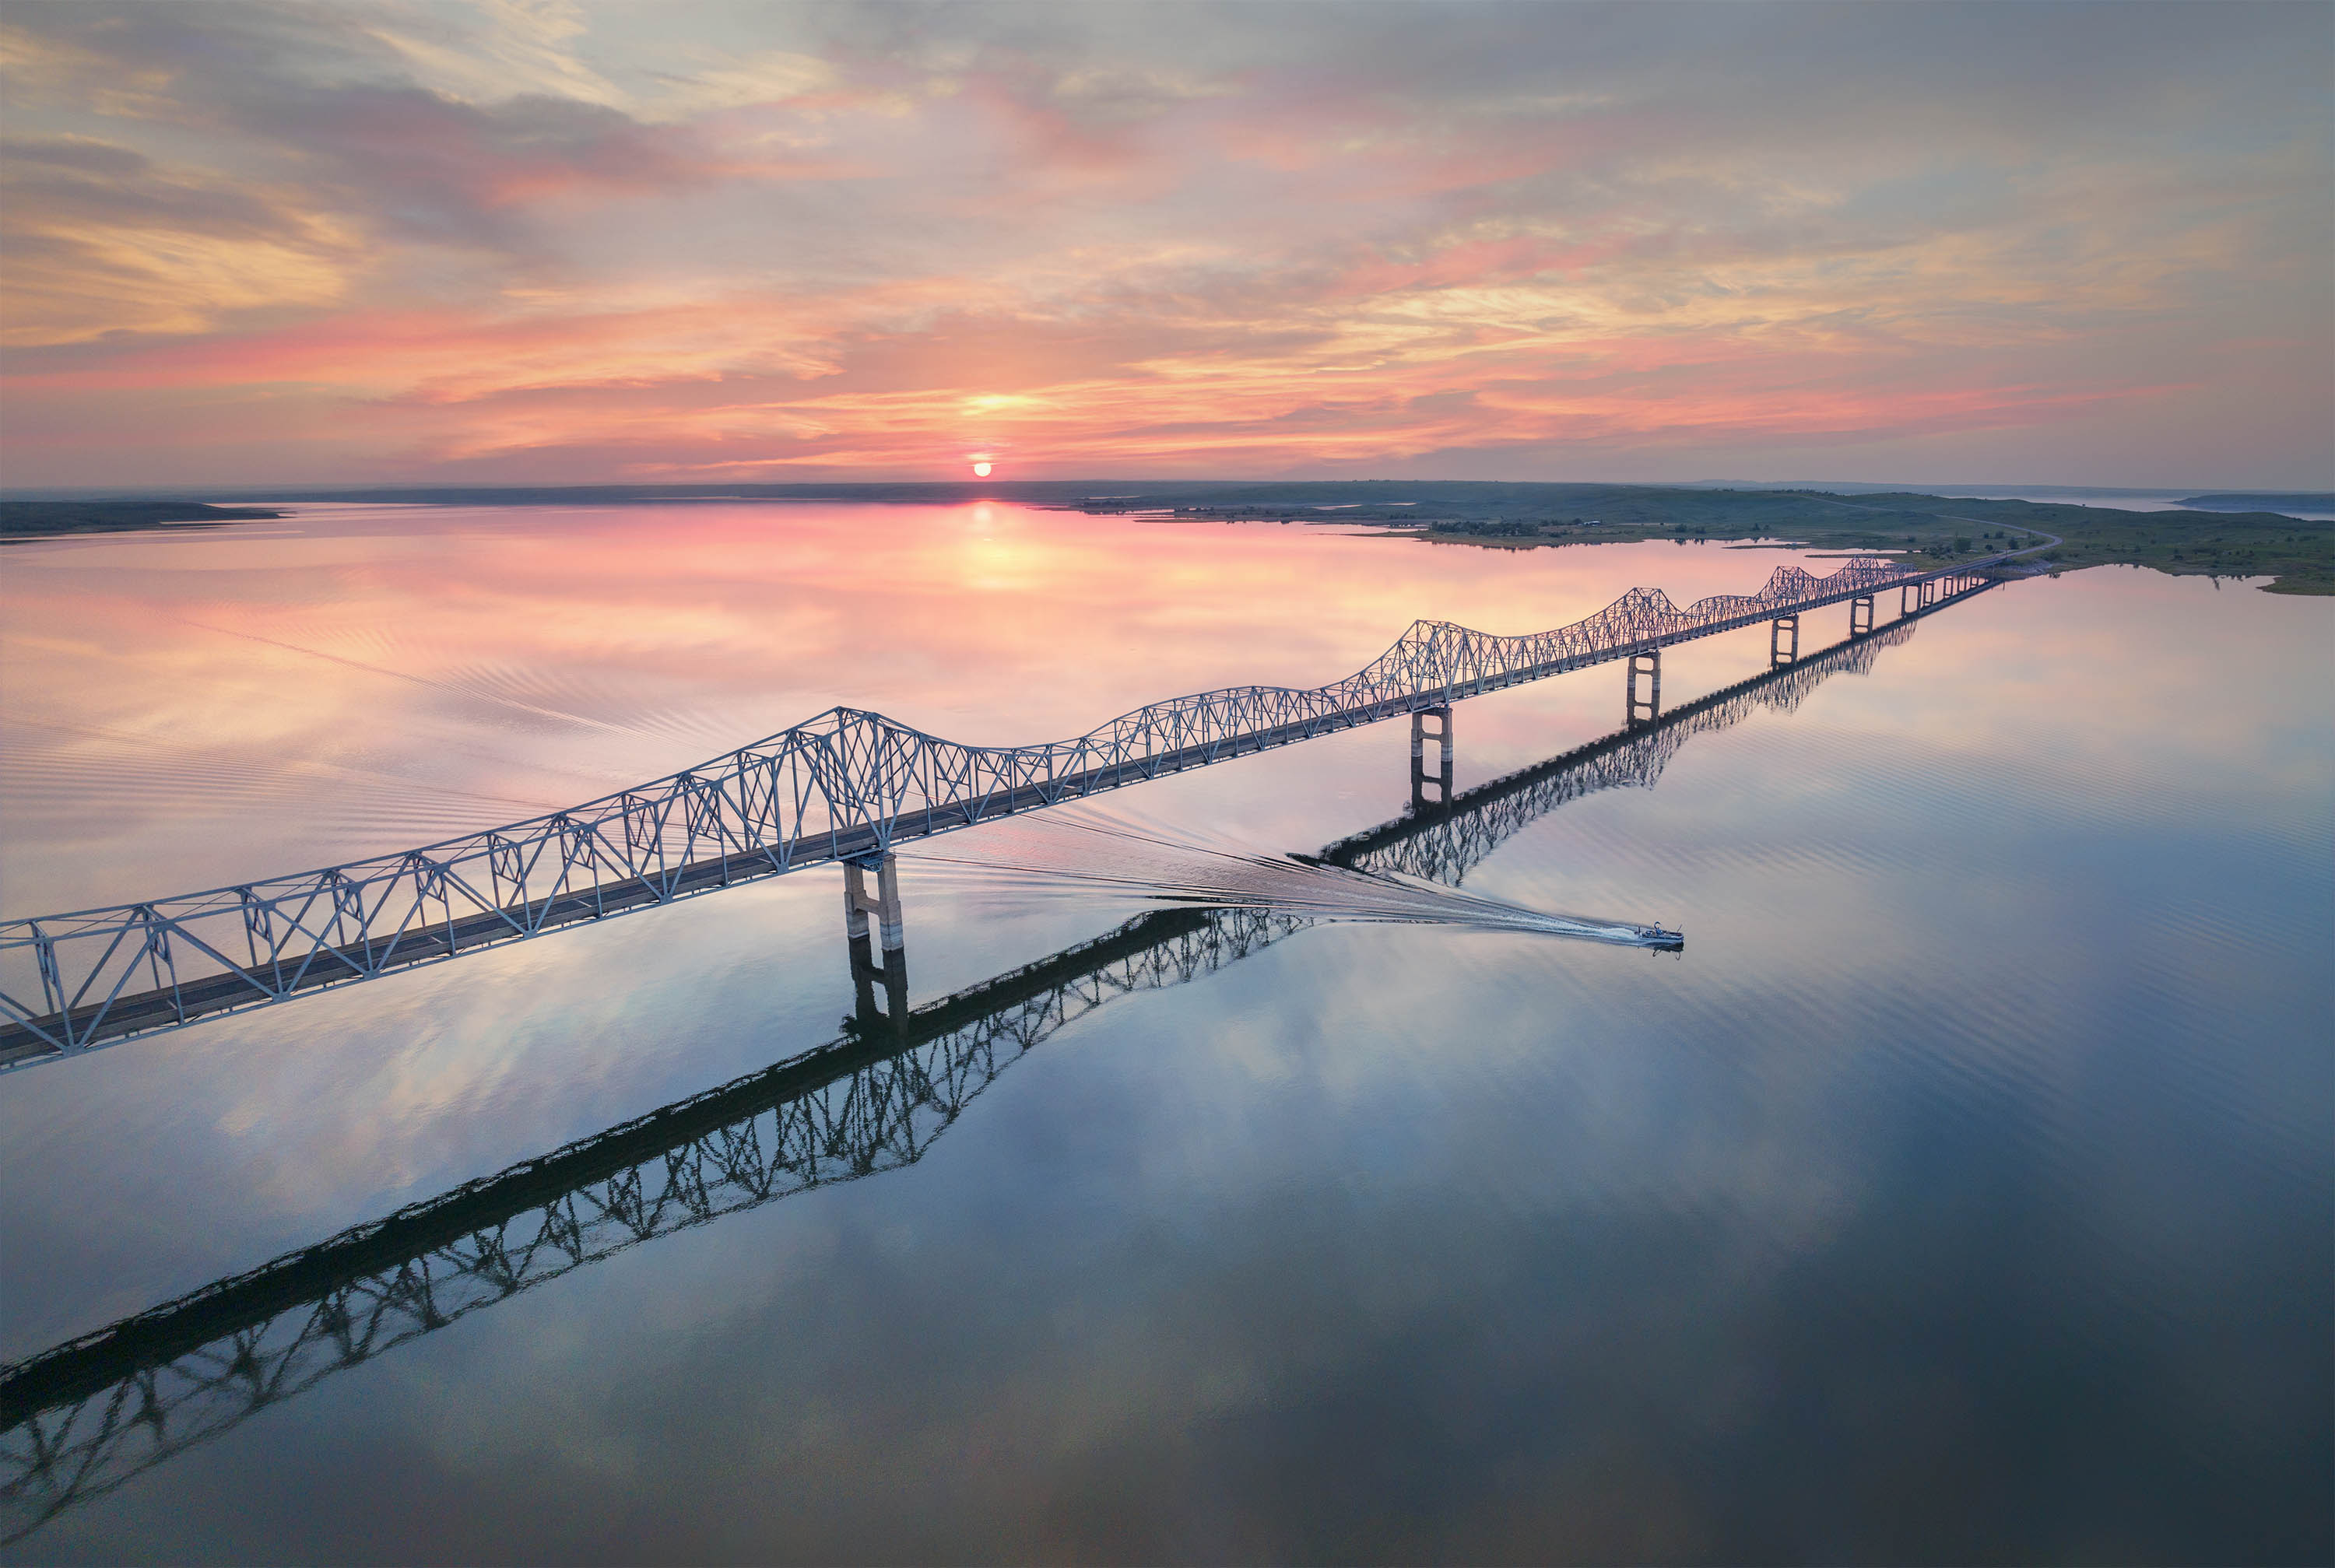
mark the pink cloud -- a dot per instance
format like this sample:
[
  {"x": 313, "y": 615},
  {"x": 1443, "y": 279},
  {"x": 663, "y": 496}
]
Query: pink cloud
[{"x": 1104, "y": 258}]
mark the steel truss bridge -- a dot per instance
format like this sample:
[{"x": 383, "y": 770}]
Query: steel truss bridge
[
  {"x": 84, "y": 1417},
  {"x": 1444, "y": 845},
  {"x": 847, "y": 786}
]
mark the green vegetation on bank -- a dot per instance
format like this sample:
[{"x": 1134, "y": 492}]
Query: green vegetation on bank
[
  {"x": 1925, "y": 529},
  {"x": 2298, "y": 557},
  {"x": 21, "y": 520},
  {"x": 2288, "y": 501}
]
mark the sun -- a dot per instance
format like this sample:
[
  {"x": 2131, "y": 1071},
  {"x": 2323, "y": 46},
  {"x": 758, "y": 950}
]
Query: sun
[{"x": 981, "y": 470}]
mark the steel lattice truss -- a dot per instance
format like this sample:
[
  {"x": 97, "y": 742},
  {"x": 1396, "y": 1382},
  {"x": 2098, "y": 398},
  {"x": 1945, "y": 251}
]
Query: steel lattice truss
[
  {"x": 845, "y": 786},
  {"x": 84, "y": 1417},
  {"x": 1443, "y": 845}
]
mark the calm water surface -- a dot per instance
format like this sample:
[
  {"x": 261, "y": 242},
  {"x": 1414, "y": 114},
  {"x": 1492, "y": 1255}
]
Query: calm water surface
[{"x": 1961, "y": 1193}]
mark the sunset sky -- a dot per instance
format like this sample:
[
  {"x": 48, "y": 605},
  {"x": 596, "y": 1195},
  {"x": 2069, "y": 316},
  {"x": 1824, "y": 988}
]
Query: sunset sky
[{"x": 540, "y": 242}]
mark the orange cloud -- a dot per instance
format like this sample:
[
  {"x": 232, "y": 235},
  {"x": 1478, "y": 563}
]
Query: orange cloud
[{"x": 584, "y": 247}]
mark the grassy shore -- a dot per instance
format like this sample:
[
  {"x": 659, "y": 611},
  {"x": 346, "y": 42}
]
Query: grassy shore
[
  {"x": 2298, "y": 557},
  {"x": 1928, "y": 530}
]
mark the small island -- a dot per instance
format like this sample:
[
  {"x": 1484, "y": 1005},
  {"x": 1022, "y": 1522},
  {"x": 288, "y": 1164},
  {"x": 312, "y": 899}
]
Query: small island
[
  {"x": 21, "y": 521},
  {"x": 2264, "y": 501}
]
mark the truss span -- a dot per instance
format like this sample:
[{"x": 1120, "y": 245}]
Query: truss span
[
  {"x": 1445, "y": 843},
  {"x": 847, "y": 785},
  {"x": 81, "y": 1418}
]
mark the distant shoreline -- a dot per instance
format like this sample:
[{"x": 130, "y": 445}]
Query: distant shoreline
[
  {"x": 21, "y": 522},
  {"x": 927, "y": 492},
  {"x": 2283, "y": 501},
  {"x": 1916, "y": 527}
]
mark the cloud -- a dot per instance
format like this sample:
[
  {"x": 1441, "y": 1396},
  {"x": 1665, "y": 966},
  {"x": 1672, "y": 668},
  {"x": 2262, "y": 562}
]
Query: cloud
[
  {"x": 1251, "y": 238},
  {"x": 769, "y": 76},
  {"x": 100, "y": 239},
  {"x": 493, "y": 48},
  {"x": 440, "y": 170},
  {"x": 406, "y": 124}
]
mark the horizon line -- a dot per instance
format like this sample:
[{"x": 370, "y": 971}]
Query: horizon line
[{"x": 715, "y": 489}]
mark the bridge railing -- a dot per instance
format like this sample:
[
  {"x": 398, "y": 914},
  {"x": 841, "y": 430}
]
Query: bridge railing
[{"x": 846, "y": 785}]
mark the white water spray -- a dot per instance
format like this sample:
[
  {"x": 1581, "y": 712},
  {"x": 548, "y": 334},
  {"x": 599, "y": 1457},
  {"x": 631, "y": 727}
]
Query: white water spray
[{"x": 1084, "y": 848}]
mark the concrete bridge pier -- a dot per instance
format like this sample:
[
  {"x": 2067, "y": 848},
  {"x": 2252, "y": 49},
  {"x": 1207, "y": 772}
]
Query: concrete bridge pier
[
  {"x": 1860, "y": 615},
  {"x": 1783, "y": 640},
  {"x": 869, "y": 973},
  {"x": 1421, "y": 780},
  {"x": 1646, "y": 708}
]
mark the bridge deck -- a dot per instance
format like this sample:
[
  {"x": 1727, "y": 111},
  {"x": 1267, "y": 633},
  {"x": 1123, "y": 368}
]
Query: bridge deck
[
  {"x": 81, "y": 1417},
  {"x": 297, "y": 967}
]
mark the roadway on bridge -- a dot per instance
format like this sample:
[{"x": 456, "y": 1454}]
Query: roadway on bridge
[{"x": 847, "y": 787}]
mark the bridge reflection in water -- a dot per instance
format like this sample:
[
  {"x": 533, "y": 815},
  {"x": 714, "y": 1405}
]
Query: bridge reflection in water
[{"x": 84, "y": 1417}]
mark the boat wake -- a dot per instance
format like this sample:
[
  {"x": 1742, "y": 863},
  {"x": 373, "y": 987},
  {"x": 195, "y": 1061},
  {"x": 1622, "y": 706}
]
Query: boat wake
[{"x": 1083, "y": 848}]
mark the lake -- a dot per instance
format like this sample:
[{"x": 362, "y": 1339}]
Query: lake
[{"x": 1961, "y": 1192}]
